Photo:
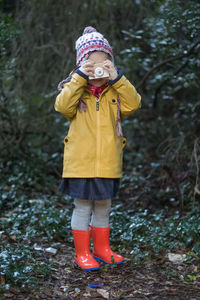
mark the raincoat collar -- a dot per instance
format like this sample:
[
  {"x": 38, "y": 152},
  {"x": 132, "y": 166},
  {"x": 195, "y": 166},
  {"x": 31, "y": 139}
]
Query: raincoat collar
[{"x": 96, "y": 91}]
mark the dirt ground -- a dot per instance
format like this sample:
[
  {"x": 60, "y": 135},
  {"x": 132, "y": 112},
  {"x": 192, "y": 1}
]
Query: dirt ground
[{"x": 156, "y": 279}]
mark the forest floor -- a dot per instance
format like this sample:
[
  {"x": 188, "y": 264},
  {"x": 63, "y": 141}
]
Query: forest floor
[
  {"x": 155, "y": 279},
  {"x": 157, "y": 276}
]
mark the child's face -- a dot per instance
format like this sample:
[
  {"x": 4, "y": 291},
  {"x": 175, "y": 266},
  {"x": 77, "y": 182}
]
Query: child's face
[{"x": 98, "y": 57}]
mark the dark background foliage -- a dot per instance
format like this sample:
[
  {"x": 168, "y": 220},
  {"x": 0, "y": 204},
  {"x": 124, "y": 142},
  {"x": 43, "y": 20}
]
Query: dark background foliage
[{"x": 156, "y": 43}]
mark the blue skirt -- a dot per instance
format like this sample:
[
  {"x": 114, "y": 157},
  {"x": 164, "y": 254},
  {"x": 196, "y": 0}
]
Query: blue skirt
[{"x": 90, "y": 188}]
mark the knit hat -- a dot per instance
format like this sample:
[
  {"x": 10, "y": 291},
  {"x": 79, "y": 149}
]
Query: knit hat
[{"x": 90, "y": 41}]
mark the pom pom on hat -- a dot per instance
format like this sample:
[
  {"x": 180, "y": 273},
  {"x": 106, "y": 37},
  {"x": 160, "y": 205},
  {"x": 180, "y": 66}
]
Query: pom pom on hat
[
  {"x": 89, "y": 29},
  {"x": 91, "y": 41}
]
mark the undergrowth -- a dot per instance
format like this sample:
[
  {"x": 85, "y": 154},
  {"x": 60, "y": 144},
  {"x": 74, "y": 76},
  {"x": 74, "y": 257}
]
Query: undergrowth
[
  {"x": 150, "y": 234},
  {"x": 29, "y": 217}
]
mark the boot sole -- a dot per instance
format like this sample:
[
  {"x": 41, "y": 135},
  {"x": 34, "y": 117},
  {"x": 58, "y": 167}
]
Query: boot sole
[
  {"x": 90, "y": 269},
  {"x": 100, "y": 259}
]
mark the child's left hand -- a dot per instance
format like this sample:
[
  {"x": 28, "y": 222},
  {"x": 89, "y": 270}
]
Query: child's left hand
[{"x": 109, "y": 66}]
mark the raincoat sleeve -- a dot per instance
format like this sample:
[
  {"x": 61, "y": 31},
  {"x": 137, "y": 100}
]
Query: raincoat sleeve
[
  {"x": 130, "y": 100},
  {"x": 68, "y": 99}
]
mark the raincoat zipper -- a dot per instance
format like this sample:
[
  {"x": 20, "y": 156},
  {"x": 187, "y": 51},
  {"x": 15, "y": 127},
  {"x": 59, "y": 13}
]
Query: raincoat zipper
[
  {"x": 97, "y": 104},
  {"x": 98, "y": 138}
]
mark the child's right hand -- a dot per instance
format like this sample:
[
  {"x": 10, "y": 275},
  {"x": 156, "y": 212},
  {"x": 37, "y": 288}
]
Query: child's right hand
[{"x": 87, "y": 68}]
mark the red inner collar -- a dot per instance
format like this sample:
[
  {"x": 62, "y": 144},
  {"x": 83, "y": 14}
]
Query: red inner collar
[{"x": 96, "y": 91}]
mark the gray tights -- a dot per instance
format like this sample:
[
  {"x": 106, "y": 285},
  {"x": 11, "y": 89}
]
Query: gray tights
[{"x": 99, "y": 209}]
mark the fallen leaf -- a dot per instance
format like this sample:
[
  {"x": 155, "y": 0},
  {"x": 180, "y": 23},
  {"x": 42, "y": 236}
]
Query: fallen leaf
[
  {"x": 51, "y": 250},
  {"x": 64, "y": 288},
  {"x": 13, "y": 237},
  {"x": 67, "y": 271},
  {"x": 103, "y": 293},
  {"x": 87, "y": 294},
  {"x": 47, "y": 292},
  {"x": 176, "y": 257},
  {"x": 152, "y": 278},
  {"x": 14, "y": 290},
  {"x": 8, "y": 295},
  {"x": 116, "y": 293},
  {"x": 37, "y": 247},
  {"x": 187, "y": 282},
  {"x": 2, "y": 280},
  {"x": 191, "y": 277},
  {"x": 137, "y": 292},
  {"x": 192, "y": 254}
]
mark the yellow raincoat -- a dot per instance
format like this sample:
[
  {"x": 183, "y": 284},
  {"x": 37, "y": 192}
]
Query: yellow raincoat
[{"x": 92, "y": 147}]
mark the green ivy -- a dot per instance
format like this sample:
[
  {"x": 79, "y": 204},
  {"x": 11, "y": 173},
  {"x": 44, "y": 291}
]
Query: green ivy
[{"x": 149, "y": 234}]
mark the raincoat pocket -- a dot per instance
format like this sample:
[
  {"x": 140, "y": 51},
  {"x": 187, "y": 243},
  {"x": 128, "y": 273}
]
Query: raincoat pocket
[{"x": 66, "y": 149}]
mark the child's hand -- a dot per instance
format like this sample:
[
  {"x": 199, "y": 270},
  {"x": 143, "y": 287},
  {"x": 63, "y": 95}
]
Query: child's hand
[
  {"x": 109, "y": 66},
  {"x": 87, "y": 68}
]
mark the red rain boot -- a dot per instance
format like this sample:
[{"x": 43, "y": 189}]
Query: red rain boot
[
  {"x": 101, "y": 250},
  {"x": 83, "y": 257}
]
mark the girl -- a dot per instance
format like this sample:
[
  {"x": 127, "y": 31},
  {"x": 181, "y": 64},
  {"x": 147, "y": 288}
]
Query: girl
[{"x": 92, "y": 165}]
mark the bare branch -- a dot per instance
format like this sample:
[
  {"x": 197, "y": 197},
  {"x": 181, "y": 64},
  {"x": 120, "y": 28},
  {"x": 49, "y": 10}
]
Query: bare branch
[
  {"x": 168, "y": 60},
  {"x": 165, "y": 81}
]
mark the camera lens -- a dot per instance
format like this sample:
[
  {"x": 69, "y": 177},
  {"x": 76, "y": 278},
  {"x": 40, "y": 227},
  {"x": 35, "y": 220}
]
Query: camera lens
[{"x": 99, "y": 71}]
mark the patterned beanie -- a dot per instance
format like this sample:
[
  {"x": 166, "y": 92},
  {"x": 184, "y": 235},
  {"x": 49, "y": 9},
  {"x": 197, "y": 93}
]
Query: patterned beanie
[{"x": 90, "y": 41}]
